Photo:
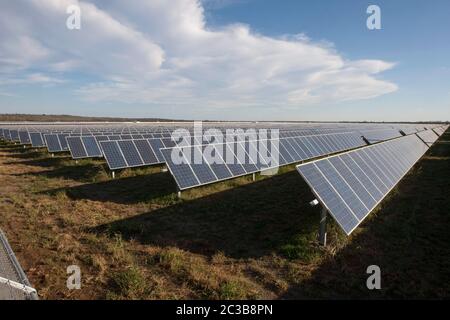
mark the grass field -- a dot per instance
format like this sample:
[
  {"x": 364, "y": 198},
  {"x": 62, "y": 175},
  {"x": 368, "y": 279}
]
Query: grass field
[{"x": 134, "y": 239}]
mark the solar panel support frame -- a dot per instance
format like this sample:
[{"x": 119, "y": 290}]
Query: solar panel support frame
[{"x": 323, "y": 226}]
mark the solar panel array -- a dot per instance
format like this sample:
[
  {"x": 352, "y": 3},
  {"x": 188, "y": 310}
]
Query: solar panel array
[
  {"x": 194, "y": 172},
  {"x": 84, "y": 147},
  {"x": 132, "y": 145},
  {"x": 429, "y": 137},
  {"x": 440, "y": 130},
  {"x": 120, "y": 154},
  {"x": 350, "y": 185},
  {"x": 374, "y": 136}
]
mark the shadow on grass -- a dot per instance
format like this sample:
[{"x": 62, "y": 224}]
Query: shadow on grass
[
  {"x": 81, "y": 173},
  {"x": 127, "y": 190},
  {"x": 13, "y": 148},
  {"x": 41, "y": 162},
  {"x": 248, "y": 221},
  {"x": 30, "y": 154},
  {"x": 407, "y": 237}
]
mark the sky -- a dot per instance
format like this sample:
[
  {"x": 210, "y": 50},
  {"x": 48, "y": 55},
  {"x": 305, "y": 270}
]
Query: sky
[{"x": 227, "y": 59}]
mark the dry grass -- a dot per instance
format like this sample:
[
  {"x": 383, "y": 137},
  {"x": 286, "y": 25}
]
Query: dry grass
[{"x": 134, "y": 239}]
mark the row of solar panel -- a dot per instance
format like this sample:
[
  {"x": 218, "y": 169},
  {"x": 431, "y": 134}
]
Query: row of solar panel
[
  {"x": 84, "y": 147},
  {"x": 24, "y": 136},
  {"x": 350, "y": 185},
  {"x": 14, "y": 134},
  {"x": 164, "y": 142},
  {"x": 441, "y": 130},
  {"x": 37, "y": 139},
  {"x": 373, "y": 136},
  {"x": 429, "y": 137},
  {"x": 196, "y": 169},
  {"x": 134, "y": 153},
  {"x": 58, "y": 144}
]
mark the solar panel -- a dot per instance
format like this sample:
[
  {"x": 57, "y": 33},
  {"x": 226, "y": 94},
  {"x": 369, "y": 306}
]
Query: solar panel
[
  {"x": 101, "y": 138},
  {"x": 36, "y": 140},
  {"x": 24, "y": 137},
  {"x": 7, "y": 134},
  {"x": 374, "y": 136},
  {"x": 92, "y": 147},
  {"x": 76, "y": 147},
  {"x": 350, "y": 185},
  {"x": 429, "y": 137},
  {"x": 201, "y": 170},
  {"x": 157, "y": 145},
  {"x": 113, "y": 155},
  {"x": 14, "y": 135},
  {"x": 52, "y": 142},
  {"x": 130, "y": 153},
  {"x": 62, "y": 141},
  {"x": 182, "y": 172},
  {"x": 146, "y": 152}
]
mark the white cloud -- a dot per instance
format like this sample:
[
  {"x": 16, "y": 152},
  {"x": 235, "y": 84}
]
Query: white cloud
[
  {"x": 31, "y": 79},
  {"x": 162, "y": 52}
]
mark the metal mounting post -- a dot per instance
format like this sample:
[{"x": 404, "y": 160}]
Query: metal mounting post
[
  {"x": 113, "y": 174},
  {"x": 323, "y": 227},
  {"x": 254, "y": 176},
  {"x": 179, "y": 194},
  {"x": 53, "y": 155}
]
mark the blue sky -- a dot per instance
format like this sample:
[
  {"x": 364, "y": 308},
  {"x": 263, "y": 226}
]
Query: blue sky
[{"x": 227, "y": 59}]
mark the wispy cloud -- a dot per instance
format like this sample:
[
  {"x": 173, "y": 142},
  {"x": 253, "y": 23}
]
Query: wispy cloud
[
  {"x": 7, "y": 94},
  {"x": 162, "y": 52}
]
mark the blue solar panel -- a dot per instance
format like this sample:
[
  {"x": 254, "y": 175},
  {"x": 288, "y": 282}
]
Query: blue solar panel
[
  {"x": 182, "y": 172},
  {"x": 201, "y": 170},
  {"x": 63, "y": 142},
  {"x": 76, "y": 147},
  {"x": 350, "y": 185},
  {"x": 219, "y": 167},
  {"x": 92, "y": 147},
  {"x": 324, "y": 191},
  {"x": 230, "y": 159},
  {"x": 36, "y": 139},
  {"x": 157, "y": 145},
  {"x": 14, "y": 135},
  {"x": 130, "y": 153},
  {"x": 24, "y": 137},
  {"x": 113, "y": 155},
  {"x": 168, "y": 143},
  {"x": 246, "y": 158},
  {"x": 52, "y": 142},
  {"x": 146, "y": 152},
  {"x": 7, "y": 134}
]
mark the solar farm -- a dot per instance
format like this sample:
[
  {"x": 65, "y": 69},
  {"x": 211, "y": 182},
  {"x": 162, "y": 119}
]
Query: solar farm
[{"x": 111, "y": 198}]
